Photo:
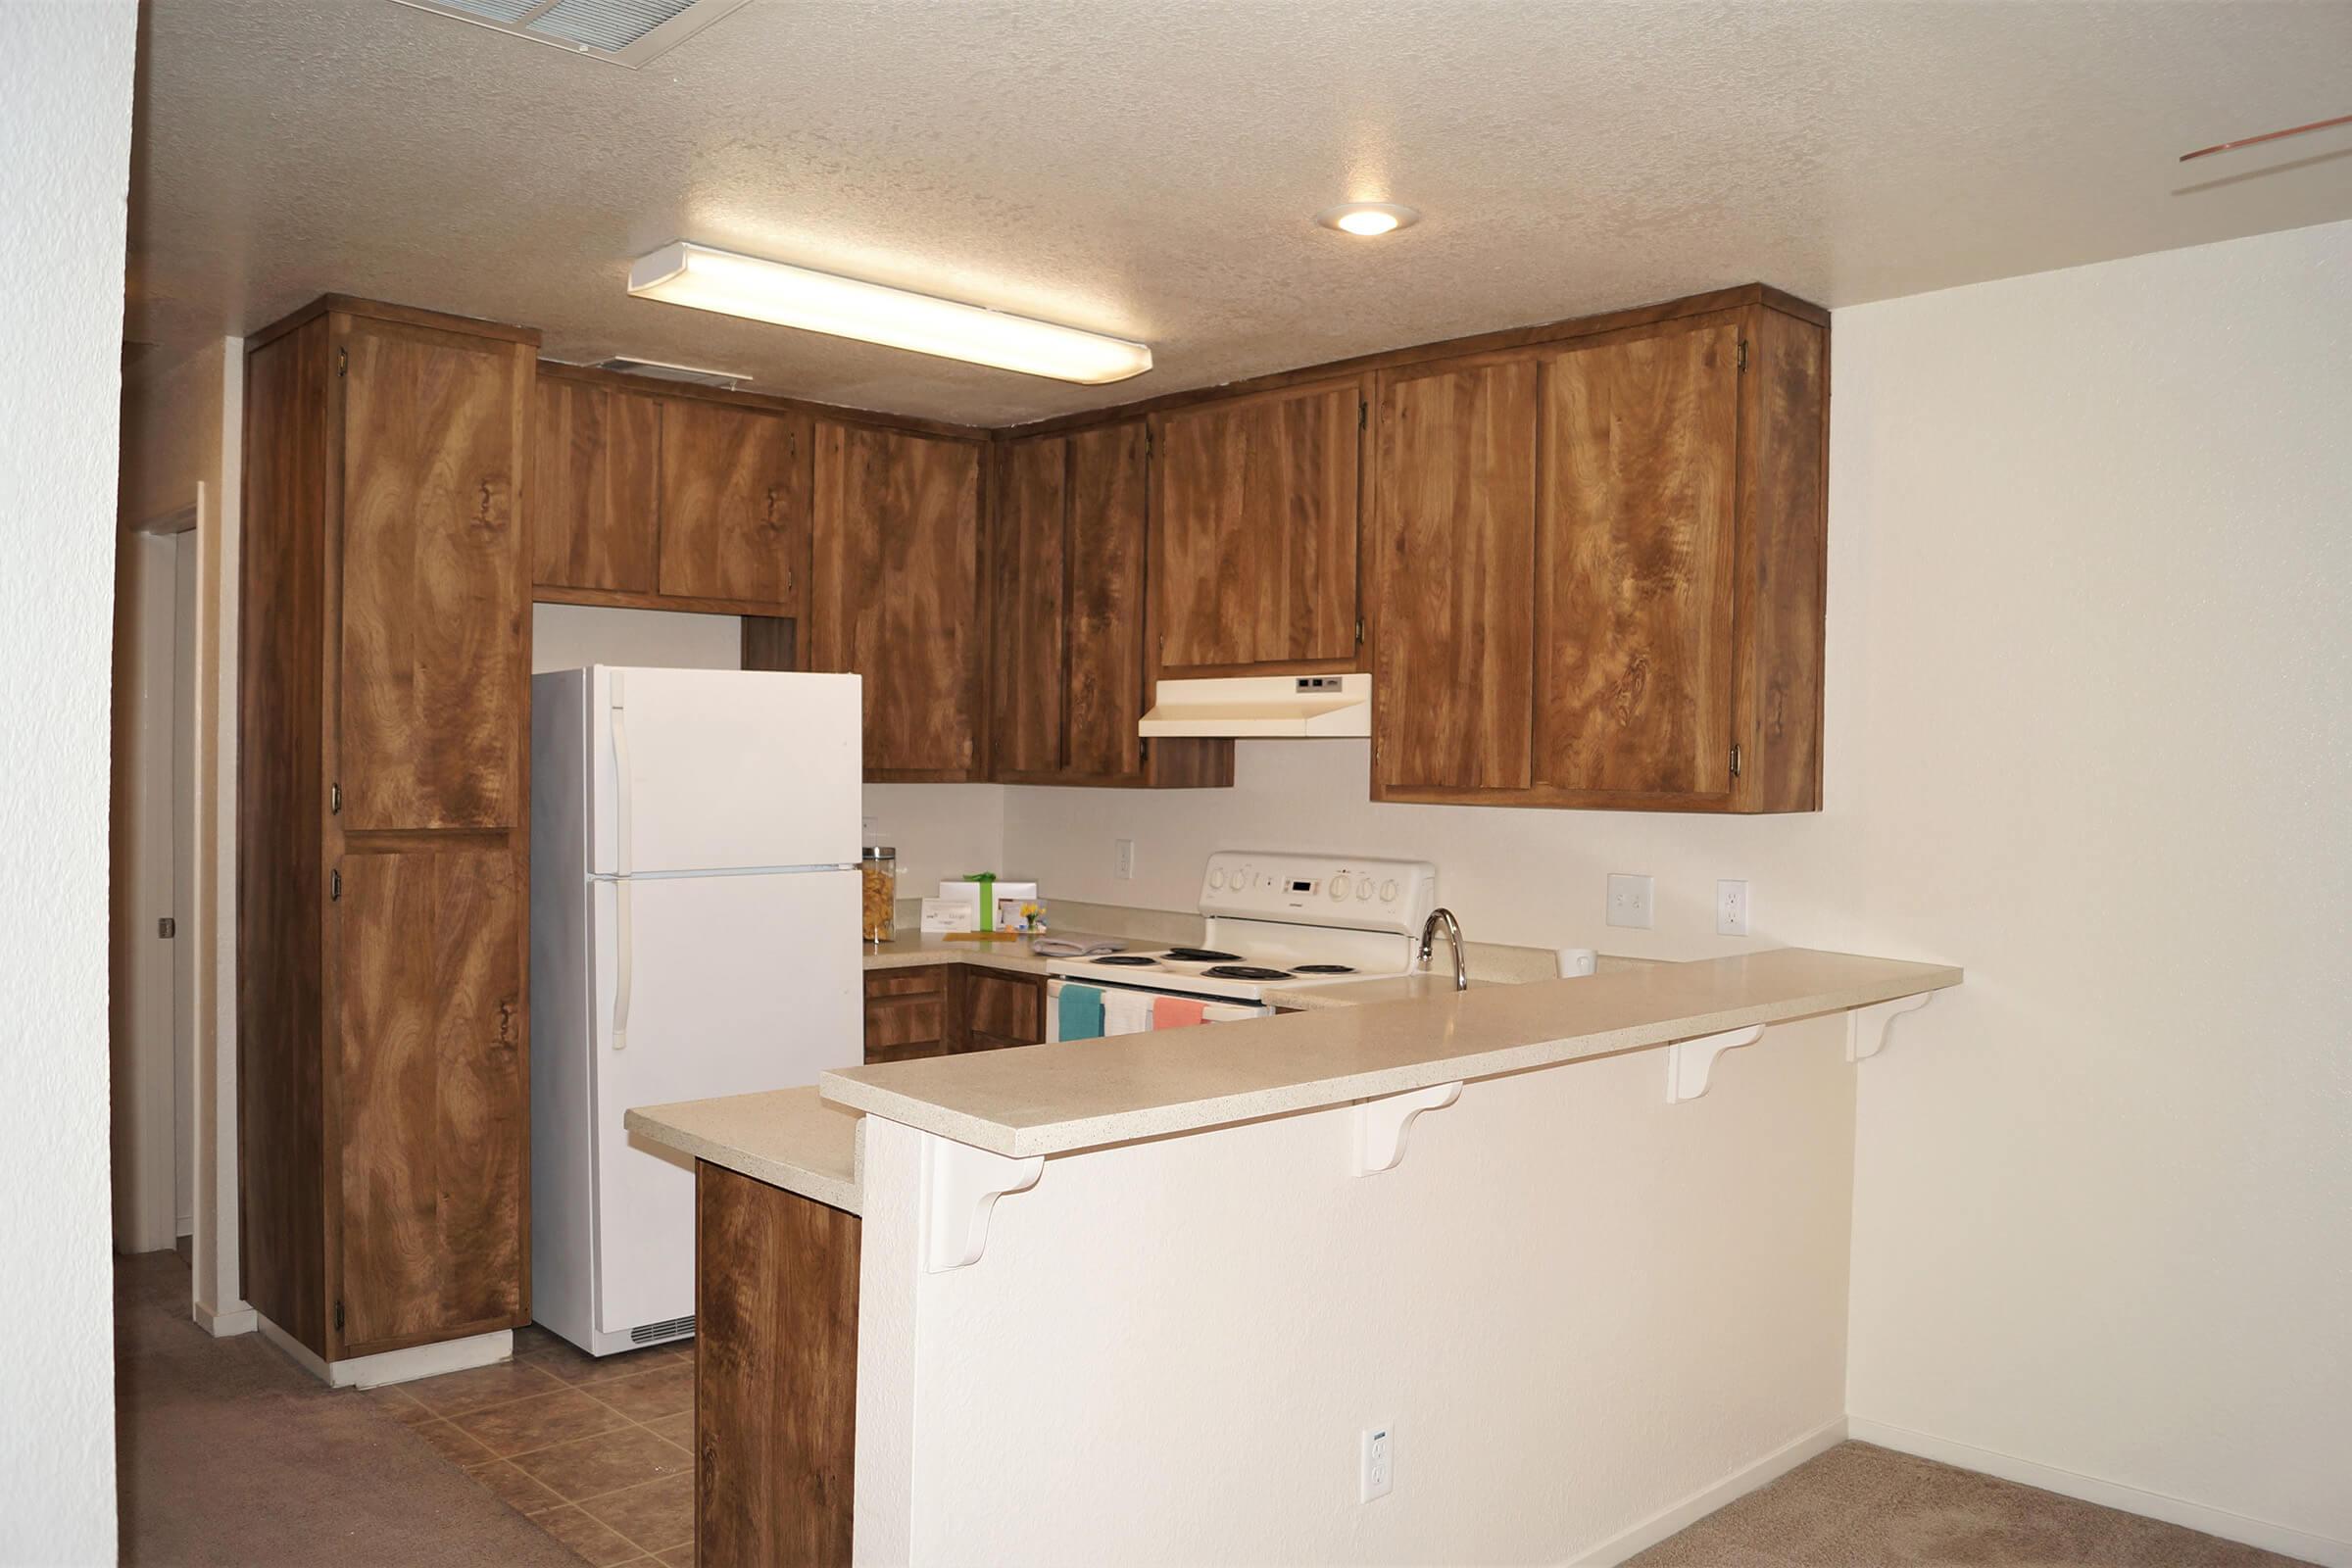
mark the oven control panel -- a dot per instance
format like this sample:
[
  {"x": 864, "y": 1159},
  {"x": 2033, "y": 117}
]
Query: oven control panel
[{"x": 1361, "y": 894}]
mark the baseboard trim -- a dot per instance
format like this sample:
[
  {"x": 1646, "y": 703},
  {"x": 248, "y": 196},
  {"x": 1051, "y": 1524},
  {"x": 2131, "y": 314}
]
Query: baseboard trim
[
  {"x": 1691, "y": 1509},
  {"x": 2282, "y": 1539},
  {"x": 225, "y": 1322},
  {"x": 393, "y": 1366}
]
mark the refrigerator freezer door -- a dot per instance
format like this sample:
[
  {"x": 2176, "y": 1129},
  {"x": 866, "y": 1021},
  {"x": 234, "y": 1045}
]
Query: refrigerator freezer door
[
  {"x": 737, "y": 984},
  {"x": 711, "y": 770}
]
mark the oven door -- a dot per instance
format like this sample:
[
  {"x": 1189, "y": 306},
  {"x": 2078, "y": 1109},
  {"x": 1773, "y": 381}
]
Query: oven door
[{"x": 1129, "y": 1009}]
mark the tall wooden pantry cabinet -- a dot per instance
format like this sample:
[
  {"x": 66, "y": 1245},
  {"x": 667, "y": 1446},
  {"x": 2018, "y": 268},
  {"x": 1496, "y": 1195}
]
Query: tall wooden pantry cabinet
[{"x": 382, "y": 811}]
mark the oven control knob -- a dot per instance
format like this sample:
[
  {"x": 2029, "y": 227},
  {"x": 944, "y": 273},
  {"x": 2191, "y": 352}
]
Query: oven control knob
[
  {"x": 1363, "y": 888},
  {"x": 1339, "y": 887},
  {"x": 1387, "y": 892},
  {"x": 1216, "y": 877}
]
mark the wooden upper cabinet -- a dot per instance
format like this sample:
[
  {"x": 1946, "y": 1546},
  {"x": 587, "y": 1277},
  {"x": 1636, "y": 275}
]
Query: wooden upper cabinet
[
  {"x": 1031, "y": 581},
  {"x": 1634, "y": 595},
  {"x": 1255, "y": 566},
  {"x": 432, "y": 1117},
  {"x": 1596, "y": 569},
  {"x": 595, "y": 497},
  {"x": 434, "y": 644},
  {"x": 898, "y": 600},
  {"x": 735, "y": 500},
  {"x": 1453, "y": 560}
]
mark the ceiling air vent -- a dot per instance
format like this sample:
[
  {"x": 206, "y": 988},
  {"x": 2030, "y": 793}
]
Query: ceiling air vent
[
  {"x": 692, "y": 375},
  {"x": 627, "y": 32}
]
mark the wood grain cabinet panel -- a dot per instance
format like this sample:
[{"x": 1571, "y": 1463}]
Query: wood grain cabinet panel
[
  {"x": 383, "y": 828},
  {"x": 434, "y": 644},
  {"x": 1073, "y": 530},
  {"x": 1634, "y": 602},
  {"x": 1453, "y": 550},
  {"x": 1032, "y": 579},
  {"x": 596, "y": 482},
  {"x": 775, "y": 1374},
  {"x": 432, "y": 1119},
  {"x": 1256, "y": 562},
  {"x": 1002, "y": 1009},
  {"x": 735, "y": 500},
  {"x": 898, "y": 594}
]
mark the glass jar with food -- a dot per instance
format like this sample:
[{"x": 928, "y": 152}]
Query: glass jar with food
[{"x": 878, "y": 868}]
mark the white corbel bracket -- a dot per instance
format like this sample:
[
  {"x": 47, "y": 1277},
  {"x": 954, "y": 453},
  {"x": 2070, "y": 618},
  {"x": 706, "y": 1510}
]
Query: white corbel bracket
[
  {"x": 1691, "y": 1064},
  {"x": 961, "y": 1185},
  {"x": 1867, "y": 1028},
  {"x": 1381, "y": 1124}
]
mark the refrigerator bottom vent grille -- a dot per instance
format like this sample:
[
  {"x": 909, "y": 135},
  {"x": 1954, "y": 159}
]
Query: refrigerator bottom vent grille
[{"x": 678, "y": 1327}]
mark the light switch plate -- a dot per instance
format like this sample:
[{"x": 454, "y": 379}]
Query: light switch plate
[
  {"x": 1630, "y": 899},
  {"x": 1731, "y": 908}
]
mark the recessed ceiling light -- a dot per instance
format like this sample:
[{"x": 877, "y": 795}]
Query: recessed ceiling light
[
  {"x": 707, "y": 279},
  {"x": 1367, "y": 218}
]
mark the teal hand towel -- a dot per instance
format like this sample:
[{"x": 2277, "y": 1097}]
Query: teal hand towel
[{"x": 1080, "y": 1014}]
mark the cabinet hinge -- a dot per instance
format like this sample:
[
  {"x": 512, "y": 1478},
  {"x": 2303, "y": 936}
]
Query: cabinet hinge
[
  {"x": 1743, "y": 354},
  {"x": 1735, "y": 761},
  {"x": 334, "y": 800},
  {"x": 335, "y": 887},
  {"x": 1363, "y": 414},
  {"x": 1360, "y": 631},
  {"x": 338, "y": 1317},
  {"x": 342, "y": 361},
  {"x": 166, "y": 928},
  {"x": 1143, "y": 750}
]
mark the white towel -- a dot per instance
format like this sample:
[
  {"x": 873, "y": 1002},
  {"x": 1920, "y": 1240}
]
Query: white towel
[{"x": 1126, "y": 1012}]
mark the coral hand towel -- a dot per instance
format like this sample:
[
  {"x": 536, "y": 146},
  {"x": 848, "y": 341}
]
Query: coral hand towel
[{"x": 1174, "y": 1013}]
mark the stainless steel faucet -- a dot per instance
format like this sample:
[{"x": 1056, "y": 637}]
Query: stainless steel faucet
[{"x": 1453, "y": 934}]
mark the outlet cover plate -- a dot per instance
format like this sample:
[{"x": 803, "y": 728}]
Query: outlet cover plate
[
  {"x": 1631, "y": 899},
  {"x": 1731, "y": 908}
]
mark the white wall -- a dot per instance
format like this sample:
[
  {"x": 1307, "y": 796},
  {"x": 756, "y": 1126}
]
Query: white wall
[
  {"x": 569, "y": 636},
  {"x": 65, "y": 119},
  {"x": 2091, "y": 603},
  {"x": 1577, "y": 1306}
]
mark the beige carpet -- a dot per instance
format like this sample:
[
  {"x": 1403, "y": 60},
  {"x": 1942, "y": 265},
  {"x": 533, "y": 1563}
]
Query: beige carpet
[
  {"x": 1857, "y": 1506},
  {"x": 228, "y": 1453}
]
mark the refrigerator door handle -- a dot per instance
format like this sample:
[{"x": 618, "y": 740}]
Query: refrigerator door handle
[
  {"x": 624, "y": 859},
  {"x": 625, "y": 967}
]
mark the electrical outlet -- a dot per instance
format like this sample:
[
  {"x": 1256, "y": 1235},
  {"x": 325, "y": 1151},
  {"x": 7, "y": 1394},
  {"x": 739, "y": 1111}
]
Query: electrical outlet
[
  {"x": 1630, "y": 899},
  {"x": 1731, "y": 908},
  {"x": 1377, "y": 1472},
  {"x": 1123, "y": 869}
]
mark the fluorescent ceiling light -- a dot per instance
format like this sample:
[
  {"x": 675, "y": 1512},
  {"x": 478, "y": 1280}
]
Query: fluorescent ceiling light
[
  {"x": 685, "y": 274},
  {"x": 1368, "y": 218}
]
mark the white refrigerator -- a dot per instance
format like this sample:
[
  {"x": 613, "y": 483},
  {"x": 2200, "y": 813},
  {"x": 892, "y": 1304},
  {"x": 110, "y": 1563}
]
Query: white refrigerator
[{"x": 694, "y": 902}]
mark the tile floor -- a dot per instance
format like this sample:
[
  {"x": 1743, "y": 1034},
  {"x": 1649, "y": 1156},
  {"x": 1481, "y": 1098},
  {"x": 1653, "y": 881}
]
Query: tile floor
[{"x": 597, "y": 1452}]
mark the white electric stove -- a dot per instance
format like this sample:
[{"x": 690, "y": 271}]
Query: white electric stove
[{"x": 1276, "y": 922}]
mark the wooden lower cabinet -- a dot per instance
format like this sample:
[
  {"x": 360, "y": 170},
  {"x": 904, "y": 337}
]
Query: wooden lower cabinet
[
  {"x": 943, "y": 1009},
  {"x": 775, "y": 1374}
]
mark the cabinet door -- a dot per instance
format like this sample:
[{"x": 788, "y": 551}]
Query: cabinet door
[
  {"x": 1453, "y": 550},
  {"x": 594, "y": 500},
  {"x": 433, "y": 649},
  {"x": 1108, "y": 536},
  {"x": 898, "y": 593},
  {"x": 734, "y": 503},
  {"x": 1032, "y": 578},
  {"x": 908, "y": 1012},
  {"x": 430, "y": 1116},
  {"x": 1001, "y": 1010},
  {"x": 1256, "y": 560},
  {"x": 1634, "y": 624}
]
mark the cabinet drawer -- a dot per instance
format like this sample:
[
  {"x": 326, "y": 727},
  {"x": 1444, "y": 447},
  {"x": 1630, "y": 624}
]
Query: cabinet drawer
[{"x": 929, "y": 981}]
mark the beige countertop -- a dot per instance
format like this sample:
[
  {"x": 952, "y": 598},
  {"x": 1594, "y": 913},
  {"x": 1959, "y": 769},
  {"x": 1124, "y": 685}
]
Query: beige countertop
[
  {"x": 1358, "y": 992},
  {"x": 1046, "y": 1099},
  {"x": 787, "y": 1138},
  {"x": 912, "y": 949}
]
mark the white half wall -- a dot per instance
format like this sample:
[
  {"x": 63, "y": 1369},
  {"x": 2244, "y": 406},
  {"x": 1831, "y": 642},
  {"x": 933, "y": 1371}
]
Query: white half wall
[
  {"x": 1577, "y": 1307},
  {"x": 65, "y": 119},
  {"x": 2091, "y": 602}
]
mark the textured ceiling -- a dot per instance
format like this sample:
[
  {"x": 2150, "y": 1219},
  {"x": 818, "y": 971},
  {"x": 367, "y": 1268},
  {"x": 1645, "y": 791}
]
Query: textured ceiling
[{"x": 1147, "y": 167}]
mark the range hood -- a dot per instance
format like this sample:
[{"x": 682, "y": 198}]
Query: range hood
[{"x": 1250, "y": 706}]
